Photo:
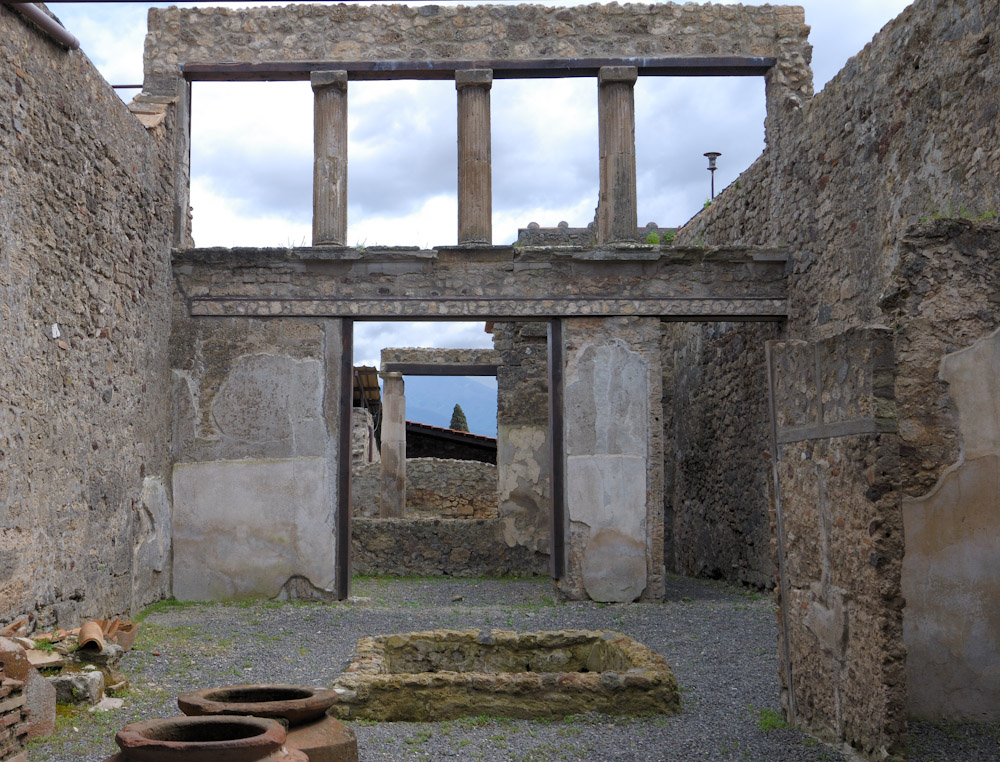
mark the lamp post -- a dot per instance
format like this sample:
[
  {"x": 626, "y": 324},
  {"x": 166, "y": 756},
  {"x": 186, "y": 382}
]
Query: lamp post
[{"x": 712, "y": 156}]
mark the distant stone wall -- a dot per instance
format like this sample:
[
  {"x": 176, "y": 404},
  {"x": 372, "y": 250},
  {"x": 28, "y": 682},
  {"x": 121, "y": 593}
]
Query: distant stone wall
[
  {"x": 364, "y": 448},
  {"x": 85, "y": 200},
  {"x": 442, "y": 356},
  {"x": 717, "y": 442},
  {"x": 453, "y": 547},
  {"x": 447, "y": 489}
]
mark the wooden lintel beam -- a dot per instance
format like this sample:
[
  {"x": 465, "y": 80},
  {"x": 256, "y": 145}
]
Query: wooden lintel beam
[
  {"x": 671, "y": 66},
  {"x": 439, "y": 369}
]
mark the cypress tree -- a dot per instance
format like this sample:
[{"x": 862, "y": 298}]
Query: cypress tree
[{"x": 458, "y": 422}]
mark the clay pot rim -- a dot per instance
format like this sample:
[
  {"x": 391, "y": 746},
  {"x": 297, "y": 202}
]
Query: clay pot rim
[
  {"x": 270, "y": 736},
  {"x": 295, "y": 711}
]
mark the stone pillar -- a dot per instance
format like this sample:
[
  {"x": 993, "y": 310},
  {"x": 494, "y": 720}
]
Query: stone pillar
[
  {"x": 475, "y": 194},
  {"x": 330, "y": 158},
  {"x": 617, "y": 215},
  {"x": 392, "y": 486},
  {"x": 613, "y": 455}
]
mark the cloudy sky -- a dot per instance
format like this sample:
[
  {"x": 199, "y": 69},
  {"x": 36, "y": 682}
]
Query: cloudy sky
[{"x": 252, "y": 147}]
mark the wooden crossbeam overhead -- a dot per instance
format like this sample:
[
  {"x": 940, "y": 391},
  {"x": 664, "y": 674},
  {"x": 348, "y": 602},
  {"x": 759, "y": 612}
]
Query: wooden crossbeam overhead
[{"x": 548, "y": 68}]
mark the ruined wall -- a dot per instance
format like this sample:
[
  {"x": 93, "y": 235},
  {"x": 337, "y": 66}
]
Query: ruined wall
[
  {"x": 435, "y": 487},
  {"x": 907, "y": 131},
  {"x": 837, "y": 512},
  {"x": 84, "y": 321},
  {"x": 364, "y": 448},
  {"x": 716, "y": 449},
  {"x": 523, "y": 459},
  {"x": 945, "y": 303},
  {"x": 255, "y": 421},
  {"x": 453, "y": 547}
]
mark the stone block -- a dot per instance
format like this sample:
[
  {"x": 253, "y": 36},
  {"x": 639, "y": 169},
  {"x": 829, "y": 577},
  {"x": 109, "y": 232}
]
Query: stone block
[{"x": 86, "y": 688}]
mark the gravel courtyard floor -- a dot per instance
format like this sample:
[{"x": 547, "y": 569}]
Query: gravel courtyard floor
[{"x": 721, "y": 642}]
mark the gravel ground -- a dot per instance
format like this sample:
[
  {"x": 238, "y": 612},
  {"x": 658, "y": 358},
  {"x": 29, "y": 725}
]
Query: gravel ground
[{"x": 720, "y": 641}]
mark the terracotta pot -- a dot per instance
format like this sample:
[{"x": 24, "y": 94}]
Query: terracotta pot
[
  {"x": 311, "y": 730},
  {"x": 205, "y": 739}
]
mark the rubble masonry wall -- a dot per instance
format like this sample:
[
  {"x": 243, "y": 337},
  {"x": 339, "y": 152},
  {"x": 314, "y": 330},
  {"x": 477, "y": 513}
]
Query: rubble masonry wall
[
  {"x": 717, "y": 476},
  {"x": 435, "y": 487},
  {"x": 84, "y": 246}
]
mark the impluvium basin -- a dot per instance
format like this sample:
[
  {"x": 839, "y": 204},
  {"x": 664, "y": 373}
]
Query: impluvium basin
[{"x": 443, "y": 674}]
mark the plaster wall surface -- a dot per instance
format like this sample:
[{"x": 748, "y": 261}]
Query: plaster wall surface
[
  {"x": 614, "y": 460},
  {"x": 243, "y": 528},
  {"x": 255, "y": 411},
  {"x": 84, "y": 322}
]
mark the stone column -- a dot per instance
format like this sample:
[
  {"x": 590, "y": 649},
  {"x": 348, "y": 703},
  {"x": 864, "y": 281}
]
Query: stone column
[
  {"x": 330, "y": 158},
  {"x": 392, "y": 484},
  {"x": 475, "y": 194},
  {"x": 613, "y": 455},
  {"x": 617, "y": 215}
]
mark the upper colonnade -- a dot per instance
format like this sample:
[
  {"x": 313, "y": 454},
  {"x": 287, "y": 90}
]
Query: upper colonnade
[{"x": 331, "y": 45}]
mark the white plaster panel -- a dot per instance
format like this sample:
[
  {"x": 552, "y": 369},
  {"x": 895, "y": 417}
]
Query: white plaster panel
[
  {"x": 242, "y": 528},
  {"x": 608, "y": 492},
  {"x": 974, "y": 377}
]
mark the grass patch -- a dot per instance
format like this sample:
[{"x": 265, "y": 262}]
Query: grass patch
[{"x": 771, "y": 719}]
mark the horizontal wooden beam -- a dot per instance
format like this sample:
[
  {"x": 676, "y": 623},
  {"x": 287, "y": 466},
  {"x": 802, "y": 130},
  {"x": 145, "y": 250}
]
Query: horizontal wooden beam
[
  {"x": 438, "y": 369},
  {"x": 549, "y": 68}
]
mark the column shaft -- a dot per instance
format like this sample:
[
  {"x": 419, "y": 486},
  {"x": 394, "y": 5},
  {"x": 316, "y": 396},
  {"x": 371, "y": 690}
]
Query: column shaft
[
  {"x": 617, "y": 215},
  {"x": 475, "y": 193},
  {"x": 392, "y": 484},
  {"x": 330, "y": 158}
]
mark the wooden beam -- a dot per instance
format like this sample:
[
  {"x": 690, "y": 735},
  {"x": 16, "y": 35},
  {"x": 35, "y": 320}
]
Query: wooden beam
[{"x": 549, "y": 68}]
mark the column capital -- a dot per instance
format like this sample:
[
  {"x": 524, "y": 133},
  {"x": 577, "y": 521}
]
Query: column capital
[
  {"x": 473, "y": 78},
  {"x": 389, "y": 375},
  {"x": 321, "y": 80},
  {"x": 612, "y": 74}
]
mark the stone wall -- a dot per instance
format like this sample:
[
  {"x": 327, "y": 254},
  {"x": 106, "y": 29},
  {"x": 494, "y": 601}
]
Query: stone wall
[
  {"x": 944, "y": 303},
  {"x": 453, "y": 547},
  {"x": 523, "y": 458},
  {"x": 437, "y": 487},
  {"x": 84, "y": 319},
  {"x": 439, "y": 355},
  {"x": 907, "y": 131},
  {"x": 255, "y": 414},
  {"x": 717, "y": 478}
]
